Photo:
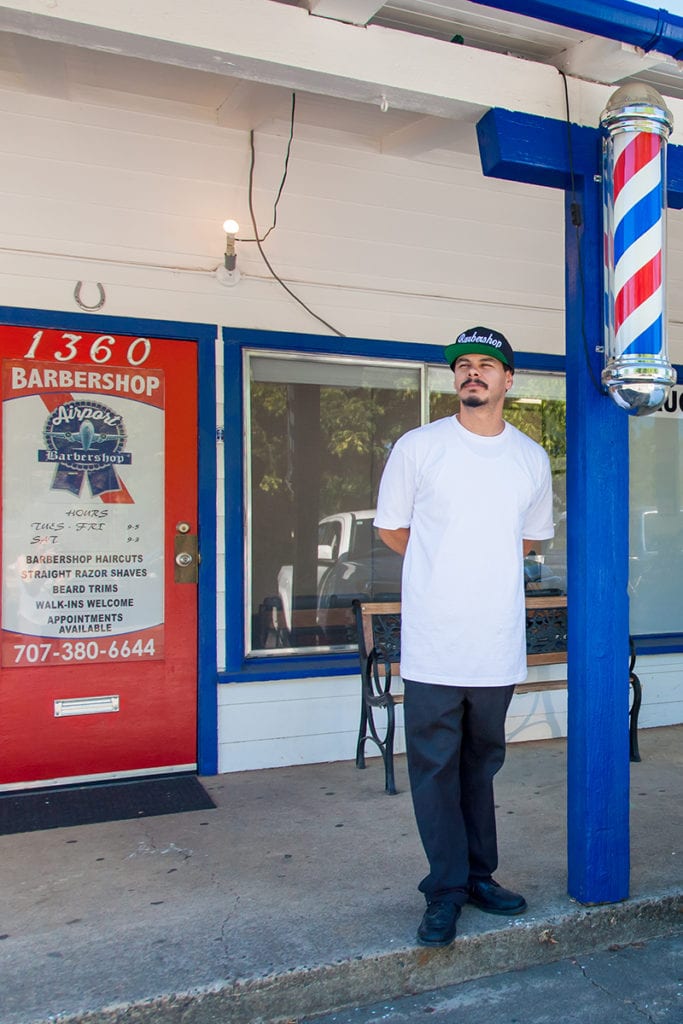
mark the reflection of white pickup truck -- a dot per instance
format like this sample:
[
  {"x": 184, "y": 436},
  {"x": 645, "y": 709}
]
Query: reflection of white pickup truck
[{"x": 352, "y": 562}]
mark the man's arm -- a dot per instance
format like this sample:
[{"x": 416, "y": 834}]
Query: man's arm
[
  {"x": 397, "y": 540},
  {"x": 532, "y": 545}
]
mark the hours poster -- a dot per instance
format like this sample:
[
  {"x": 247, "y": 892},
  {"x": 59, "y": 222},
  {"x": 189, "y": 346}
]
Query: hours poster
[{"x": 83, "y": 513}]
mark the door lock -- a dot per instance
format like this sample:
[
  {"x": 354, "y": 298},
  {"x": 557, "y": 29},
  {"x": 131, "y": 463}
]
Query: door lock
[{"x": 186, "y": 555}]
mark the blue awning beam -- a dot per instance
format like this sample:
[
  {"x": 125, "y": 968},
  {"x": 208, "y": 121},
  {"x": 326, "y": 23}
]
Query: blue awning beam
[{"x": 645, "y": 27}]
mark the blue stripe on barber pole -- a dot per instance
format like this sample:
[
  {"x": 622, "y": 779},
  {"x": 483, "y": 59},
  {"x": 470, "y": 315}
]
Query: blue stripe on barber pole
[
  {"x": 639, "y": 219},
  {"x": 649, "y": 342}
]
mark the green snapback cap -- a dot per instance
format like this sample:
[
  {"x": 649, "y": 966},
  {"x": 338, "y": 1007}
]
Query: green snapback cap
[{"x": 483, "y": 341}]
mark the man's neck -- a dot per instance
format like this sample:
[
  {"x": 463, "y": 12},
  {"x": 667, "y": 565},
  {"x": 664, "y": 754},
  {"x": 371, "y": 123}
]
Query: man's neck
[{"x": 481, "y": 420}]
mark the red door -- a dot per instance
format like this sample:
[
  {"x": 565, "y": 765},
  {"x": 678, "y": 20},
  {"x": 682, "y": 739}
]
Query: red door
[{"x": 98, "y": 668}]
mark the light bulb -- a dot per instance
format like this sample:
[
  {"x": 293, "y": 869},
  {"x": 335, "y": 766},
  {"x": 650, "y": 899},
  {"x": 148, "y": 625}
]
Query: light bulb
[{"x": 228, "y": 273}]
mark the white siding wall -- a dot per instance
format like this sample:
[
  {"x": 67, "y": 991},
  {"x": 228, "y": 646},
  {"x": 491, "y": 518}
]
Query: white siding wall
[
  {"x": 266, "y": 725},
  {"x": 381, "y": 247}
]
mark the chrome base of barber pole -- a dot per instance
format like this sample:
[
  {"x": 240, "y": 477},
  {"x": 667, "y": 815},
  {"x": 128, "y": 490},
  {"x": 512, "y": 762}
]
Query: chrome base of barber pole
[{"x": 639, "y": 384}]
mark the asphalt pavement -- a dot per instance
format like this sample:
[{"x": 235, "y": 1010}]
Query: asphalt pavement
[
  {"x": 634, "y": 984},
  {"x": 297, "y": 895}
]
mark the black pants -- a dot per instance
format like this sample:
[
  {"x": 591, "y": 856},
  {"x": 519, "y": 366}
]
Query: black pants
[{"x": 455, "y": 740}]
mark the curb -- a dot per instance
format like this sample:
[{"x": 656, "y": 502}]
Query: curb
[{"x": 314, "y": 991}]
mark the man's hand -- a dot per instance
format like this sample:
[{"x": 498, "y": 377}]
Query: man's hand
[{"x": 397, "y": 540}]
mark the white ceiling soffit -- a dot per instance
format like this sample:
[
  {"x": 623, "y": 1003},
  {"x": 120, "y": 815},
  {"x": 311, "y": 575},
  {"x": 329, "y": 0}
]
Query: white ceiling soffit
[
  {"x": 612, "y": 60},
  {"x": 279, "y": 44},
  {"x": 393, "y": 76},
  {"x": 579, "y": 54}
]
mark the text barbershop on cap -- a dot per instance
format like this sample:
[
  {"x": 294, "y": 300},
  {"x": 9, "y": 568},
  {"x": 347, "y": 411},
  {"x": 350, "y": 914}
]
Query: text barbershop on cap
[{"x": 484, "y": 341}]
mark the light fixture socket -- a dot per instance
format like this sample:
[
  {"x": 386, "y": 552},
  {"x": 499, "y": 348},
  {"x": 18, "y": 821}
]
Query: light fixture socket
[{"x": 227, "y": 277}]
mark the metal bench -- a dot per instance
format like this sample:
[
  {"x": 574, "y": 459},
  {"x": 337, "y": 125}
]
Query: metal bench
[{"x": 379, "y": 649}]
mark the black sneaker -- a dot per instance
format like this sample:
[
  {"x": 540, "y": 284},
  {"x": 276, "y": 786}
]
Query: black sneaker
[
  {"x": 493, "y": 899},
  {"x": 437, "y": 927}
]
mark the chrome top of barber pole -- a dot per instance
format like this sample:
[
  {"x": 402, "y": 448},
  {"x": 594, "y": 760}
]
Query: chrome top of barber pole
[{"x": 637, "y": 373}]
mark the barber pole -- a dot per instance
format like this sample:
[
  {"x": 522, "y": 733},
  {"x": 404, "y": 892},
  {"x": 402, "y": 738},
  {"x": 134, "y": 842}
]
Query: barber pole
[{"x": 637, "y": 373}]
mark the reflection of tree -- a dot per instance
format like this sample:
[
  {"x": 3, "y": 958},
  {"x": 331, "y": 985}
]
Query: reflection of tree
[
  {"x": 542, "y": 419},
  {"x": 270, "y": 497},
  {"x": 268, "y": 436},
  {"x": 358, "y": 426},
  {"x": 554, "y": 430},
  {"x": 442, "y": 404},
  {"x": 546, "y": 422}
]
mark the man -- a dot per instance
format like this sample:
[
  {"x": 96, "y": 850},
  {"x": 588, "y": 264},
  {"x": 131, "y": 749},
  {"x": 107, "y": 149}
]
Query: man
[{"x": 464, "y": 498}]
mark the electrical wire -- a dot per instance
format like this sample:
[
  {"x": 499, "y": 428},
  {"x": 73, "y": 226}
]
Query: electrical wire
[
  {"x": 577, "y": 220},
  {"x": 284, "y": 175},
  {"x": 254, "y": 225}
]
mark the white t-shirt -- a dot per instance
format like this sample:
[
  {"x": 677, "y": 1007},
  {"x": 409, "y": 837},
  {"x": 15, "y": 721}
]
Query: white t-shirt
[{"x": 469, "y": 501}]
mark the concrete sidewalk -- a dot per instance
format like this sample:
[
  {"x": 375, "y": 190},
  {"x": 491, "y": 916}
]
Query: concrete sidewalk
[{"x": 298, "y": 895}]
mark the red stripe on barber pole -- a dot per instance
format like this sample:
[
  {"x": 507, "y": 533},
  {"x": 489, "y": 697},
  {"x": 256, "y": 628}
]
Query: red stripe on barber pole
[
  {"x": 643, "y": 148},
  {"x": 637, "y": 289},
  {"x": 637, "y": 154}
]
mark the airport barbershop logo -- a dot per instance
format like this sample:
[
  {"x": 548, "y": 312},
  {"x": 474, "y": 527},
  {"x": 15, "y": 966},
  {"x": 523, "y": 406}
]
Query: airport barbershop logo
[{"x": 85, "y": 440}]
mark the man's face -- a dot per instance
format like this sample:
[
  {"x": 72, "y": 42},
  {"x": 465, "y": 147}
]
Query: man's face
[{"x": 481, "y": 380}]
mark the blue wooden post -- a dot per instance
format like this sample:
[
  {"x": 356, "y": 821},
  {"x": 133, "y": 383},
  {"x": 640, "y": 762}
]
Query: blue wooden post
[
  {"x": 536, "y": 150},
  {"x": 597, "y": 562}
]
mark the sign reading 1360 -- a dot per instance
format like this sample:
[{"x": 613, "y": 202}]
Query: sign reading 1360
[{"x": 67, "y": 346}]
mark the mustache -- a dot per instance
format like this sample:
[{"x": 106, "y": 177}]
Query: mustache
[{"x": 481, "y": 383}]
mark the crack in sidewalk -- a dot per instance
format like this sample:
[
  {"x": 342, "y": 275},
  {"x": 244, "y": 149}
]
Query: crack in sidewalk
[{"x": 613, "y": 995}]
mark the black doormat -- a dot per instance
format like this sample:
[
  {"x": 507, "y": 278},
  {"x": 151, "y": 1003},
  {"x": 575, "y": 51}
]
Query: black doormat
[{"x": 101, "y": 801}]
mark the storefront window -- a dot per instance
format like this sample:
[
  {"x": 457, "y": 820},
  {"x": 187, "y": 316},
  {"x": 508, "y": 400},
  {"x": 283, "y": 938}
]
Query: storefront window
[
  {"x": 656, "y": 520},
  {"x": 318, "y": 435},
  {"x": 320, "y": 431}
]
